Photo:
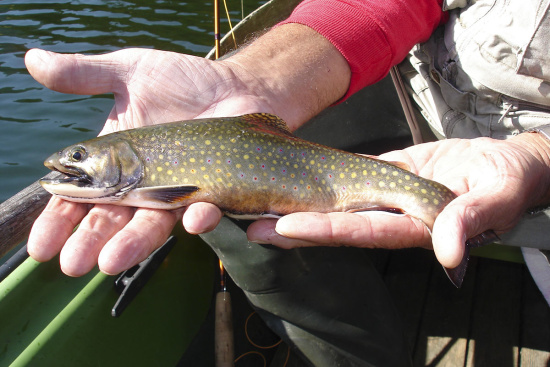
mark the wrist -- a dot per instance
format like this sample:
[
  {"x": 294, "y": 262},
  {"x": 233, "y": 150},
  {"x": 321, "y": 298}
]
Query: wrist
[
  {"x": 538, "y": 145},
  {"x": 295, "y": 70}
]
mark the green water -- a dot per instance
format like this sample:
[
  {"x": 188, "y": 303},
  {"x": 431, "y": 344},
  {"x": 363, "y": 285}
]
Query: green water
[{"x": 34, "y": 121}]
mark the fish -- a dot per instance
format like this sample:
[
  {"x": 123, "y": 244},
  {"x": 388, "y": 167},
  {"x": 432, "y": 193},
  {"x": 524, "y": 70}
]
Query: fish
[{"x": 250, "y": 166}]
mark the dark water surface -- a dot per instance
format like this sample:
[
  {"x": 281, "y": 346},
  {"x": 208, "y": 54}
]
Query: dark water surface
[{"x": 34, "y": 121}]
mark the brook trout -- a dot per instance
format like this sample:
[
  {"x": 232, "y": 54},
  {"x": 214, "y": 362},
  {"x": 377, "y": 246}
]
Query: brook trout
[{"x": 249, "y": 166}]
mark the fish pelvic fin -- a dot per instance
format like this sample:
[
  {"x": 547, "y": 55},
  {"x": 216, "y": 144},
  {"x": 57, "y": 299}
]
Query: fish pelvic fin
[
  {"x": 168, "y": 194},
  {"x": 456, "y": 275}
]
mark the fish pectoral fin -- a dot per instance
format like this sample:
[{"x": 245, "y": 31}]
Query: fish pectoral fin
[{"x": 168, "y": 194}]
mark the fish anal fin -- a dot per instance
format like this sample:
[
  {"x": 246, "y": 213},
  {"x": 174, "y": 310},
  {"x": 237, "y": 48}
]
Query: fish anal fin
[
  {"x": 378, "y": 209},
  {"x": 266, "y": 120},
  {"x": 168, "y": 194}
]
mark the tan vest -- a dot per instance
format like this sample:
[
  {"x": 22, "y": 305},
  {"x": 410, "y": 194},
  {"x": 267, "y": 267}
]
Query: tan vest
[{"x": 487, "y": 70}]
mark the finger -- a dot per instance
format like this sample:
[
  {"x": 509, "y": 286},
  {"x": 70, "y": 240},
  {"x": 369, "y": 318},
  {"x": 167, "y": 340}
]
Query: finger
[
  {"x": 74, "y": 73},
  {"x": 53, "y": 227},
  {"x": 365, "y": 229},
  {"x": 147, "y": 230},
  {"x": 81, "y": 251},
  {"x": 201, "y": 218}
]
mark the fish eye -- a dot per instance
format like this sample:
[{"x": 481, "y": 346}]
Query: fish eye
[{"x": 77, "y": 154}]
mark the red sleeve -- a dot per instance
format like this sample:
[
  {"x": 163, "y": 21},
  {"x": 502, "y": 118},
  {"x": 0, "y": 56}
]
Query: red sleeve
[{"x": 373, "y": 35}]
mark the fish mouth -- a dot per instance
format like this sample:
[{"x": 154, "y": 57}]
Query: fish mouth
[{"x": 67, "y": 175}]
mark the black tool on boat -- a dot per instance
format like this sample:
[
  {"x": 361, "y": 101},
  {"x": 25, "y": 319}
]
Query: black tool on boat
[{"x": 130, "y": 282}]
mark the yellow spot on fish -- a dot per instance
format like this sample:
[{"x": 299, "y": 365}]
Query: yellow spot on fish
[
  {"x": 159, "y": 169},
  {"x": 175, "y": 178},
  {"x": 373, "y": 173},
  {"x": 207, "y": 142},
  {"x": 206, "y": 177},
  {"x": 407, "y": 177},
  {"x": 153, "y": 177},
  {"x": 395, "y": 173},
  {"x": 407, "y": 188},
  {"x": 228, "y": 174},
  {"x": 392, "y": 185},
  {"x": 353, "y": 175},
  {"x": 246, "y": 156},
  {"x": 424, "y": 200},
  {"x": 161, "y": 156},
  {"x": 342, "y": 175},
  {"x": 423, "y": 191},
  {"x": 436, "y": 202},
  {"x": 177, "y": 143},
  {"x": 383, "y": 170},
  {"x": 192, "y": 160},
  {"x": 169, "y": 172},
  {"x": 381, "y": 184}
]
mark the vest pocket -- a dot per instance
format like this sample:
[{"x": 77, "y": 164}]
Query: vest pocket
[{"x": 533, "y": 58}]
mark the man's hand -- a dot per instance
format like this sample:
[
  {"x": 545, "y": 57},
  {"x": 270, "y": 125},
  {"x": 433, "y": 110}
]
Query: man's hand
[
  {"x": 291, "y": 71},
  {"x": 149, "y": 87},
  {"x": 496, "y": 182}
]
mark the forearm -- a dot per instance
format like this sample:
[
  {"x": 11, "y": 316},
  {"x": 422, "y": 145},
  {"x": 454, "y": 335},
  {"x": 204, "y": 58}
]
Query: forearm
[
  {"x": 296, "y": 70},
  {"x": 538, "y": 185},
  {"x": 372, "y": 35}
]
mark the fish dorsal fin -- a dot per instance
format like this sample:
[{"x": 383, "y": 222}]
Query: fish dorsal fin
[
  {"x": 168, "y": 194},
  {"x": 262, "y": 120}
]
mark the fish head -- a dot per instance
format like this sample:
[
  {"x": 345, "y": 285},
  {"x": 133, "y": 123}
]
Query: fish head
[{"x": 98, "y": 170}]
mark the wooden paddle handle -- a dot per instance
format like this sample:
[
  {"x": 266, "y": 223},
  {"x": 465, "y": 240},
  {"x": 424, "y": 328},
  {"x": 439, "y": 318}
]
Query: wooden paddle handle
[{"x": 18, "y": 213}]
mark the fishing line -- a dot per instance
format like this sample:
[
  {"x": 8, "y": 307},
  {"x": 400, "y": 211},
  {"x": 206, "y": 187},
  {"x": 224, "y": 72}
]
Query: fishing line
[
  {"x": 229, "y": 20},
  {"x": 256, "y": 345}
]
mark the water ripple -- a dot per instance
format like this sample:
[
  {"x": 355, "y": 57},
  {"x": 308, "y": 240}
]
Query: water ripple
[{"x": 35, "y": 121}]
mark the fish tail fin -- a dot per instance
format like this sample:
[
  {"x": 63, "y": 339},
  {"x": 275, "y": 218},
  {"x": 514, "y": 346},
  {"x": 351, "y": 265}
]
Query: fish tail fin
[{"x": 456, "y": 275}]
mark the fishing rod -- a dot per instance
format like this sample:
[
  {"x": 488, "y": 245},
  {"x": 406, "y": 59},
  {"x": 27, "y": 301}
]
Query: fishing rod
[{"x": 223, "y": 324}]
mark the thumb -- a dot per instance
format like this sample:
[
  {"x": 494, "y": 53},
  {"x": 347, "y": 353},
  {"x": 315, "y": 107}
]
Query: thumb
[
  {"x": 75, "y": 73},
  {"x": 464, "y": 218}
]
